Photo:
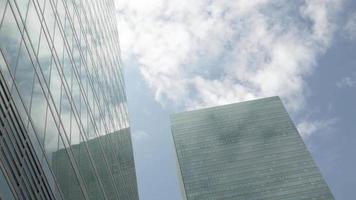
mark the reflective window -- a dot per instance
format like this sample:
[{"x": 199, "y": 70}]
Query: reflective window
[
  {"x": 49, "y": 18},
  {"x": 5, "y": 69},
  {"x": 33, "y": 26},
  {"x": 45, "y": 57},
  {"x": 10, "y": 38},
  {"x": 35, "y": 141},
  {"x": 67, "y": 69},
  {"x": 51, "y": 136},
  {"x": 66, "y": 114},
  {"x": 38, "y": 110},
  {"x": 22, "y": 5},
  {"x": 55, "y": 86},
  {"x": 76, "y": 93},
  {"x": 58, "y": 44},
  {"x": 24, "y": 76},
  {"x": 61, "y": 11},
  {"x": 3, "y": 6},
  {"x": 75, "y": 131}
]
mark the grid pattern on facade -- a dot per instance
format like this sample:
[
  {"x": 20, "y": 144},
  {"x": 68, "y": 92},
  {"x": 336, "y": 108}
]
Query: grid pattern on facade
[
  {"x": 249, "y": 150},
  {"x": 26, "y": 177},
  {"x": 60, "y": 63},
  {"x": 122, "y": 165}
]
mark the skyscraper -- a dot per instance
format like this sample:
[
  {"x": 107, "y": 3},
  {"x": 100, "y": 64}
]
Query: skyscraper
[
  {"x": 249, "y": 150},
  {"x": 62, "y": 102}
]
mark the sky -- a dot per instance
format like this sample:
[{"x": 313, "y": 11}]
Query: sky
[{"x": 182, "y": 55}]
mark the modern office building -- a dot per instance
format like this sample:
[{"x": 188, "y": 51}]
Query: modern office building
[
  {"x": 62, "y": 102},
  {"x": 249, "y": 150}
]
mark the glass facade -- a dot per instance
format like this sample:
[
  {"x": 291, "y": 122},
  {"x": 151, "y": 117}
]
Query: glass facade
[
  {"x": 120, "y": 160},
  {"x": 64, "y": 123},
  {"x": 249, "y": 150}
]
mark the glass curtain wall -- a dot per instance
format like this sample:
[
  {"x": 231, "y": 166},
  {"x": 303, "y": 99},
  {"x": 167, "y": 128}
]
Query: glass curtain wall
[
  {"x": 61, "y": 70},
  {"x": 248, "y": 150}
]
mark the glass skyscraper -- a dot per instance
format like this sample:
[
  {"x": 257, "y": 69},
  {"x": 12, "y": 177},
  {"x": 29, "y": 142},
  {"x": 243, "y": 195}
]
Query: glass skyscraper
[
  {"x": 63, "y": 116},
  {"x": 249, "y": 150}
]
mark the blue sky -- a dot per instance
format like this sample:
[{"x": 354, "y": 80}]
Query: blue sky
[{"x": 181, "y": 55}]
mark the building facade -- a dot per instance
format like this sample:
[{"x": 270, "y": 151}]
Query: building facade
[
  {"x": 62, "y": 102},
  {"x": 119, "y": 153},
  {"x": 250, "y": 150}
]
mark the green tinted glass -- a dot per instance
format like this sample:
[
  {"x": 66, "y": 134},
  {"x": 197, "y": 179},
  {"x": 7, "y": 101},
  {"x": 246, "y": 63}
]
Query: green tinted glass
[{"x": 248, "y": 150}]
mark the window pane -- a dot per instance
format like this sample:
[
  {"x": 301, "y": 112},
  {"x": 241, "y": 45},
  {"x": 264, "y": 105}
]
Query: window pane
[
  {"x": 61, "y": 11},
  {"x": 10, "y": 38},
  {"x": 67, "y": 69},
  {"x": 3, "y": 6},
  {"x": 76, "y": 95},
  {"x": 24, "y": 76},
  {"x": 34, "y": 141},
  {"x": 68, "y": 32},
  {"x": 22, "y": 4},
  {"x": 58, "y": 44},
  {"x": 51, "y": 136},
  {"x": 66, "y": 114},
  {"x": 75, "y": 131},
  {"x": 49, "y": 18},
  {"x": 55, "y": 86},
  {"x": 45, "y": 56},
  {"x": 33, "y": 26},
  {"x": 38, "y": 110},
  {"x": 5, "y": 70}
]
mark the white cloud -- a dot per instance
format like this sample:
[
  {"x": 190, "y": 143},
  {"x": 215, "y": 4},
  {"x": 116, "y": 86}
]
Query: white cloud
[
  {"x": 205, "y": 53},
  {"x": 307, "y": 128},
  {"x": 350, "y": 27},
  {"x": 346, "y": 82}
]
